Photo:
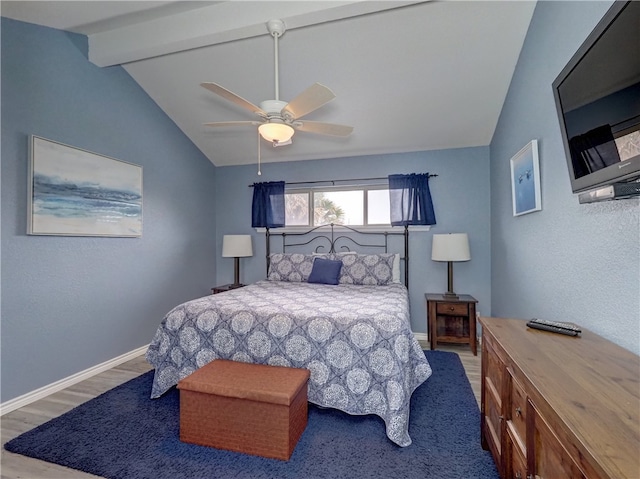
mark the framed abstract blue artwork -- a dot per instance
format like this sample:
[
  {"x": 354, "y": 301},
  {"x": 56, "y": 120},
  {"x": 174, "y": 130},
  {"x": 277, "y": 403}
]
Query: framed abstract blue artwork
[
  {"x": 74, "y": 192},
  {"x": 525, "y": 180}
]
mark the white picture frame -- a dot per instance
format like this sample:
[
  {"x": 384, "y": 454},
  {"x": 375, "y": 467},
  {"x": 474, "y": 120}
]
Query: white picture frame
[
  {"x": 74, "y": 192},
  {"x": 525, "y": 180}
]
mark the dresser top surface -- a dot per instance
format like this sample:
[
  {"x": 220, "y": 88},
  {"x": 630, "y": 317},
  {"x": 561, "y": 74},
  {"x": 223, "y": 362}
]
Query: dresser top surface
[{"x": 592, "y": 384}]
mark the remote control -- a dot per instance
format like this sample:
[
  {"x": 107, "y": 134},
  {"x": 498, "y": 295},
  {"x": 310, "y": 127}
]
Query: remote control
[
  {"x": 543, "y": 325},
  {"x": 556, "y": 324}
]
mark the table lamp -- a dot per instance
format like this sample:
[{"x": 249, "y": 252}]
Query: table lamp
[
  {"x": 236, "y": 247},
  {"x": 450, "y": 247}
]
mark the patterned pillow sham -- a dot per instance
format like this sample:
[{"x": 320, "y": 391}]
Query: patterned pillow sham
[
  {"x": 396, "y": 264},
  {"x": 291, "y": 267},
  {"x": 369, "y": 269}
]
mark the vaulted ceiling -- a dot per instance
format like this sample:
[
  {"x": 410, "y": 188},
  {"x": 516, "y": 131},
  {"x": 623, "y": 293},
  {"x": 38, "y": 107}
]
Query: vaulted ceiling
[{"x": 407, "y": 75}]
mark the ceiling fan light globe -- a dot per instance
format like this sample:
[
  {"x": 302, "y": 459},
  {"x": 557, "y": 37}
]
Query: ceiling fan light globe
[{"x": 279, "y": 132}]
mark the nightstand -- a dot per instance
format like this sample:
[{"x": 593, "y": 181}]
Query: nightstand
[
  {"x": 451, "y": 320},
  {"x": 226, "y": 287}
]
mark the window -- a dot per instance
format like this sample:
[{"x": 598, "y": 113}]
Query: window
[{"x": 352, "y": 206}]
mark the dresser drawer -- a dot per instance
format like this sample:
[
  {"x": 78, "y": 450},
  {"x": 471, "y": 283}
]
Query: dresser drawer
[
  {"x": 452, "y": 309},
  {"x": 517, "y": 407},
  {"x": 493, "y": 422},
  {"x": 494, "y": 368},
  {"x": 550, "y": 458},
  {"x": 516, "y": 457}
]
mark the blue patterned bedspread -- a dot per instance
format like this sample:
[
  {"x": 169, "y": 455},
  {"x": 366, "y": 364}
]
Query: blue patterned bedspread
[{"x": 355, "y": 340}]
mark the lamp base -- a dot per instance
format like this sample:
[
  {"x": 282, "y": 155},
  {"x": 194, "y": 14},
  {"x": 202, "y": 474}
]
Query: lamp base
[
  {"x": 236, "y": 270},
  {"x": 450, "y": 294}
]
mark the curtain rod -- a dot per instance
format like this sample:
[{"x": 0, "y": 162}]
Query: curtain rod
[{"x": 333, "y": 182}]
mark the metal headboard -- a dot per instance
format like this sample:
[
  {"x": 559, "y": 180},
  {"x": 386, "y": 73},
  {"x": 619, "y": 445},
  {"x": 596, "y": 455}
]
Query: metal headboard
[{"x": 328, "y": 240}]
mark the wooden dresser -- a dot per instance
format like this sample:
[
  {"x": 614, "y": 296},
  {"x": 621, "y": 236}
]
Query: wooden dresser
[{"x": 558, "y": 407}]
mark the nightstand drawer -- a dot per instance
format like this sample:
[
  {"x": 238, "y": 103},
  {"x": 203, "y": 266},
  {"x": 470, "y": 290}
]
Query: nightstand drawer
[{"x": 452, "y": 309}]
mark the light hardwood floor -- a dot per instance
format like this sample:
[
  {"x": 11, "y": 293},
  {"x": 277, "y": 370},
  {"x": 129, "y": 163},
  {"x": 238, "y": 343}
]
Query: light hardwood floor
[{"x": 14, "y": 466}]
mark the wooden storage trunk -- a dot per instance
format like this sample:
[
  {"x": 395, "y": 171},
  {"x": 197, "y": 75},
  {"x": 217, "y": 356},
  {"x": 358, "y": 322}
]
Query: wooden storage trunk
[{"x": 250, "y": 408}]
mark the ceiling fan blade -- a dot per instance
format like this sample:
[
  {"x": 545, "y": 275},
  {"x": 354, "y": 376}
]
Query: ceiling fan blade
[
  {"x": 233, "y": 98},
  {"x": 233, "y": 123},
  {"x": 322, "y": 128},
  {"x": 309, "y": 100}
]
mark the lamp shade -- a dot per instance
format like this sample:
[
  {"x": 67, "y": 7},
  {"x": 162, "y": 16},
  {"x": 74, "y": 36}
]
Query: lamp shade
[
  {"x": 279, "y": 132},
  {"x": 450, "y": 247},
  {"x": 236, "y": 246}
]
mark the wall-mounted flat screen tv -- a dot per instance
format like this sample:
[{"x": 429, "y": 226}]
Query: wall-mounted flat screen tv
[{"x": 598, "y": 101}]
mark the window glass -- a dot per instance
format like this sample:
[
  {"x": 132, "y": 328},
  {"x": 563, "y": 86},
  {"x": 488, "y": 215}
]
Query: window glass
[
  {"x": 296, "y": 209},
  {"x": 338, "y": 207},
  {"x": 378, "y": 212}
]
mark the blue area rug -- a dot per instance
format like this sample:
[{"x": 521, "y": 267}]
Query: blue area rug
[{"x": 123, "y": 434}]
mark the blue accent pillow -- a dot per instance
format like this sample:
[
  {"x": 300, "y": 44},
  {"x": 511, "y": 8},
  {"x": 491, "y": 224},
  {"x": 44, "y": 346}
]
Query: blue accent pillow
[{"x": 325, "y": 271}]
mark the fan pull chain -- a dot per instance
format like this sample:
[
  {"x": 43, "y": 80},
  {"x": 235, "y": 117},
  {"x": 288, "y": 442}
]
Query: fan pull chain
[{"x": 259, "y": 172}]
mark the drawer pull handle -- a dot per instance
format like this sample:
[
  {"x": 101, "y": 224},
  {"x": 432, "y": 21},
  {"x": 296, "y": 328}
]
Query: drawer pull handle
[
  {"x": 518, "y": 412},
  {"x": 518, "y": 475}
]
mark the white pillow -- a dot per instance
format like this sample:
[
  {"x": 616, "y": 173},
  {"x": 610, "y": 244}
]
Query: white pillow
[{"x": 396, "y": 269}]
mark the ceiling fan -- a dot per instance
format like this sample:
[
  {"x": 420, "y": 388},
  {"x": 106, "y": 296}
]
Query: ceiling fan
[{"x": 278, "y": 119}]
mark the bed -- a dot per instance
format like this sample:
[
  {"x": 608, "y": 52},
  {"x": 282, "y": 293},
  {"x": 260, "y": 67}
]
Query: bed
[{"x": 355, "y": 339}]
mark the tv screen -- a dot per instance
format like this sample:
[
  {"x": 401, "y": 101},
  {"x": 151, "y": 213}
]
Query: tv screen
[{"x": 598, "y": 101}]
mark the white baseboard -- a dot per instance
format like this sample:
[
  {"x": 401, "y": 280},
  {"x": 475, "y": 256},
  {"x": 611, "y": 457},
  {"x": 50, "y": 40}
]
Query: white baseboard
[
  {"x": 44, "y": 391},
  {"x": 421, "y": 336}
]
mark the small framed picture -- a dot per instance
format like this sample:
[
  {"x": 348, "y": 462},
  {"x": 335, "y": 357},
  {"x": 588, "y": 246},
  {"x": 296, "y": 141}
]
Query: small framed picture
[{"x": 525, "y": 180}]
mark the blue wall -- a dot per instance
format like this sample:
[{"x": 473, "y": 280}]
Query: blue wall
[
  {"x": 69, "y": 303},
  {"x": 461, "y": 201},
  {"x": 568, "y": 262}
]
